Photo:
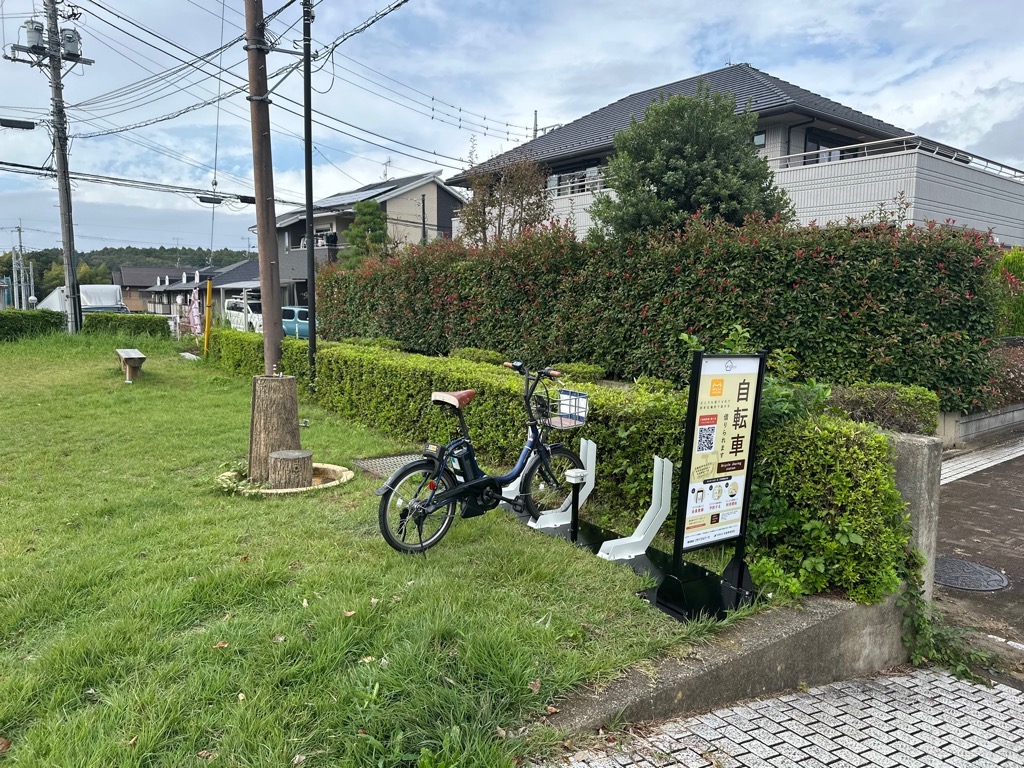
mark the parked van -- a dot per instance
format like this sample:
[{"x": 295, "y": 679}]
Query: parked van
[
  {"x": 243, "y": 318},
  {"x": 295, "y": 321}
]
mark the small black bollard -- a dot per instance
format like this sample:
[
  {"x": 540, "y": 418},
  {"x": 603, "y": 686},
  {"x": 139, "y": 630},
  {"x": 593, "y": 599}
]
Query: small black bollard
[{"x": 576, "y": 477}]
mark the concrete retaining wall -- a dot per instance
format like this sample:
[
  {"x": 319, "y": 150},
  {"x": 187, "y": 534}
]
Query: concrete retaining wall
[
  {"x": 957, "y": 429},
  {"x": 821, "y": 641}
]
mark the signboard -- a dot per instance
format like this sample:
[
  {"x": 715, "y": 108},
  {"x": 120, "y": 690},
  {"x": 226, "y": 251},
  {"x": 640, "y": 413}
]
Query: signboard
[{"x": 725, "y": 392}]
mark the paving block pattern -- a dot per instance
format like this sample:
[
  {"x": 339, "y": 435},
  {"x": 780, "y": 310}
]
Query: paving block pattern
[{"x": 926, "y": 718}]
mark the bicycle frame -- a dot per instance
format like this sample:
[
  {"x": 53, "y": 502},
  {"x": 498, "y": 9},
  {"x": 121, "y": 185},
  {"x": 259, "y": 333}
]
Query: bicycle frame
[{"x": 472, "y": 488}]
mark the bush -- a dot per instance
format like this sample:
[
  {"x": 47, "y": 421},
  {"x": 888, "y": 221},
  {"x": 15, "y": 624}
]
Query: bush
[
  {"x": 867, "y": 303},
  {"x": 1010, "y": 270},
  {"x": 476, "y": 355},
  {"x": 116, "y": 323},
  {"x": 369, "y": 341},
  {"x": 23, "y": 323},
  {"x": 583, "y": 372},
  {"x": 826, "y": 514},
  {"x": 890, "y": 406}
]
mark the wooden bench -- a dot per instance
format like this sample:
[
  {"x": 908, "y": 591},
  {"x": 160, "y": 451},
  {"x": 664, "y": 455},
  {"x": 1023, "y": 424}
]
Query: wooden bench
[{"x": 131, "y": 363}]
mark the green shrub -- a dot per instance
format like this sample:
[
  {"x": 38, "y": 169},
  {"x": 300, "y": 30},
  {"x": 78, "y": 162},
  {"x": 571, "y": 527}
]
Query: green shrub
[
  {"x": 120, "y": 324},
  {"x": 653, "y": 384},
  {"x": 371, "y": 341},
  {"x": 477, "y": 355},
  {"x": 23, "y": 323},
  {"x": 867, "y": 303},
  {"x": 583, "y": 372},
  {"x": 826, "y": 514},
  {"x": 890, "y": 406},
  {"x": 1010, "y": 271}
]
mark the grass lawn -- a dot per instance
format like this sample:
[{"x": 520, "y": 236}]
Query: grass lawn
[{"x": 147, "y": 619}]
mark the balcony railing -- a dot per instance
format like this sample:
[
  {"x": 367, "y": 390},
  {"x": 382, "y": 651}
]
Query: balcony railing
[{"x": 892, "y": 146}]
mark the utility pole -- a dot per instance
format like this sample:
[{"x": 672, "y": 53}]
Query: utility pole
[
  {"x": 307, "y": 119},
  {"x": 263, "y": 177},
  {"x": 20, "y": 270},
  {"x": 61, "y": 45}
]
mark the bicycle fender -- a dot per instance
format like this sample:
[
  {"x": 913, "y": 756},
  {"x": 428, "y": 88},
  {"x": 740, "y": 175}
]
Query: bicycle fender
[{"x": 390, "y": 482}]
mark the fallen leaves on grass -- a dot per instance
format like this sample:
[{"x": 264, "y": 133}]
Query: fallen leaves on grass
[
  {"x": 298, "y": 760},
  {"x": 5, "y": 744},
  {"x": 349, "y": 613},
  {"x": 221, "y": 644},
  {"x": 132, "y": 742},
  {"x": 553, "y": 710},
  {"x": 501, "y": 732},
  {"x": 206, "y": 754},
  {"x": 535, "y": 686},
  {"x": 278, "y": 639}
]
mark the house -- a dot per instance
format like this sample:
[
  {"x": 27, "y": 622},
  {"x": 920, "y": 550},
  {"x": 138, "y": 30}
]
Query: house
[
  {"x": 834, "y": 161},
  {"x": 135, "y": 283},
  {"x": 419, "y": 208}
]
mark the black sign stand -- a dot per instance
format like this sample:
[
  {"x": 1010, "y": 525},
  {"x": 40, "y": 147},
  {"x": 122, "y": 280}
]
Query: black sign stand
[{"x": 689, "y": 590}]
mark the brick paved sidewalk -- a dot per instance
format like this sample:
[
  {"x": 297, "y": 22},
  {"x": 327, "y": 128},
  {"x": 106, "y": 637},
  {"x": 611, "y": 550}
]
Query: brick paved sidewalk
[{"x": 922, "y": 718}]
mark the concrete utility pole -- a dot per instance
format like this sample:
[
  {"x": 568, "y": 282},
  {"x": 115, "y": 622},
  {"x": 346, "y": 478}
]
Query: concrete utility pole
[
  {"x": 61, "y": 45},
  {"x": 60, "y": 155},
  {"x": 263, "y": 176}
]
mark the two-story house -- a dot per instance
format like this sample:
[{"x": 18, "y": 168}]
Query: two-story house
[
  {"x": 418, "y": 208},
  {"x": 834, "y": 161}
]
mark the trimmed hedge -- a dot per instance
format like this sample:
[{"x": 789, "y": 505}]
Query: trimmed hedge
[
  {"x": 890, "y": 406},
  {"x": 477, "y": 355},
  {"x": 22, "y": 323},
  {"x": 850, "y": 488},
  {"x": 874, "y": 303},
  {"x": 117, "y": 323},
  {"x": 826, "y": 513}
]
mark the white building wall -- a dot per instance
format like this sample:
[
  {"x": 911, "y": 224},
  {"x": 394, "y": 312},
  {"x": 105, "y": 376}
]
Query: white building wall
[{"x": 835, "y": 191}]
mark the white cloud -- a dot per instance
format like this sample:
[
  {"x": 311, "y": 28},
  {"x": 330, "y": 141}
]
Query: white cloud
[{"x": 949, "y": 68}]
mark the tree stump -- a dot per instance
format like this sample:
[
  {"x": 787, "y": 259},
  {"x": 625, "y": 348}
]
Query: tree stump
[
  {"x": 275, "y": 422},
  {"x": 291, "y": 469}
]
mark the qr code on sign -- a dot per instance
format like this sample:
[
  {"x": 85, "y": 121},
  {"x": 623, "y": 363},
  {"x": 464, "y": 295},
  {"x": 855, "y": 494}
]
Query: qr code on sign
[{"x": 706, "y": 439}]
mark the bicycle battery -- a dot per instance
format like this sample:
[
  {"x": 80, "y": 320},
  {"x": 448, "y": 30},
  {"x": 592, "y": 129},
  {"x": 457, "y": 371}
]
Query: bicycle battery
[{"x": 464, "y": 464}]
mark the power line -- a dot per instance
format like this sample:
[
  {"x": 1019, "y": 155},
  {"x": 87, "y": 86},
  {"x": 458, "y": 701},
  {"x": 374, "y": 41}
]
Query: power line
[{"x": 151, "y": 186}]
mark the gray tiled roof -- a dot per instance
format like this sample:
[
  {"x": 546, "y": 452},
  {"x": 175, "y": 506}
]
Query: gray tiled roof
[
  {"x": 143, "y": 277},
  {"x": 766, "y": 94}
]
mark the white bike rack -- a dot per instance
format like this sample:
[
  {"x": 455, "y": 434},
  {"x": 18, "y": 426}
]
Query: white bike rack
[
  {"x": 661, "y": 504},
  {"x": 562, "y": 516}
]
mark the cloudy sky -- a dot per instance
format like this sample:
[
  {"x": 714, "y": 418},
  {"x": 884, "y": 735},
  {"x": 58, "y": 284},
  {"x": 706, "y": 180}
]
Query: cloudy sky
[{"x": 408, "y": 94}]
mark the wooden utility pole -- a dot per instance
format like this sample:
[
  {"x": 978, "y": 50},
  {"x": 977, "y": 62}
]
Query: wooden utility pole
[
  {"x": 263, "y": 178},
  {"x": 307, "y": 122}
]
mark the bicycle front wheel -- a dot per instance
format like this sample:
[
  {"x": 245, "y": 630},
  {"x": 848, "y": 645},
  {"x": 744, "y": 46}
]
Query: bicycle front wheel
[
  {"x": 404, "y": 523},
  {"x": 538, "y": 492}
]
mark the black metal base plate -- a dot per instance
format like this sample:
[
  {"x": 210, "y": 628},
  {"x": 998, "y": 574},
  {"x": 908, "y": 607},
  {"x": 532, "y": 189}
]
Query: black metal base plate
[{"x": 964, "y": 574}]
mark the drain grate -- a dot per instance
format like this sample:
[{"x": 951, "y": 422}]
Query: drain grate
[
  {"x": 383, "y": 466},
  {"x": 963, "y": 574}
]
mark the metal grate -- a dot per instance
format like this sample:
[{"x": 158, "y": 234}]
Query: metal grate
[
  {"x": 963, "y": 574},
  {"x": 384, "y": 466}
]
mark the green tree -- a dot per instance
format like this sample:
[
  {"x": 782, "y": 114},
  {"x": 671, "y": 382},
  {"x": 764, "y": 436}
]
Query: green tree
[
  {"x": 367, "y": 235},
  {"x": 689, "y": 153},
  {"x": 52, "y": 279},
  {"x": 505, "y": 203},
  {"x": 89, "y": 275}
]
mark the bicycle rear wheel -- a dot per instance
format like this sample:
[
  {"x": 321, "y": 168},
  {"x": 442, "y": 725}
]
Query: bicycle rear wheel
[
  {"x": 538, "y": 492},
  {"x": 404, "y": 523}
]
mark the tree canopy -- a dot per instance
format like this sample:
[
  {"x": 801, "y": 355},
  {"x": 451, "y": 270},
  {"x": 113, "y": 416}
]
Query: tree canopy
[
  {"x": 688, "y": 153},
  {"x": 505, "y": 203},
  {"x": 367, "y": 235}
]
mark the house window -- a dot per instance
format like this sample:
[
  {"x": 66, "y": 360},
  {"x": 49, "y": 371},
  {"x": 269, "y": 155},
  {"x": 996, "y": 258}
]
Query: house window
[
  {"x": 759, "y": 139},
  {"x": 820, "y": 148}
]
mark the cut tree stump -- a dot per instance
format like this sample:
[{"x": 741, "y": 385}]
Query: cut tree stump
[
  {"x": 291, "y": 469},
  {"x": 275, "y": 422}
]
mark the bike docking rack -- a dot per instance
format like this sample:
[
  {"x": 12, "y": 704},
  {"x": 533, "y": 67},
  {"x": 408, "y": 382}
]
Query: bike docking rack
[{"x": 712, "y": 499}]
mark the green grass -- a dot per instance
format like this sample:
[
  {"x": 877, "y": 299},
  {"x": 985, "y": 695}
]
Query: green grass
[{"x": 147, "y": 619}]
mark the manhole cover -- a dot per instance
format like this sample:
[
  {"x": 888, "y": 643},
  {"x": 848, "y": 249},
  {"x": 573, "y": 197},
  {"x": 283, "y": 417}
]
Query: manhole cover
[
  {"x": 963, "y": 574},
  {"x": 383, "y": 466}
]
